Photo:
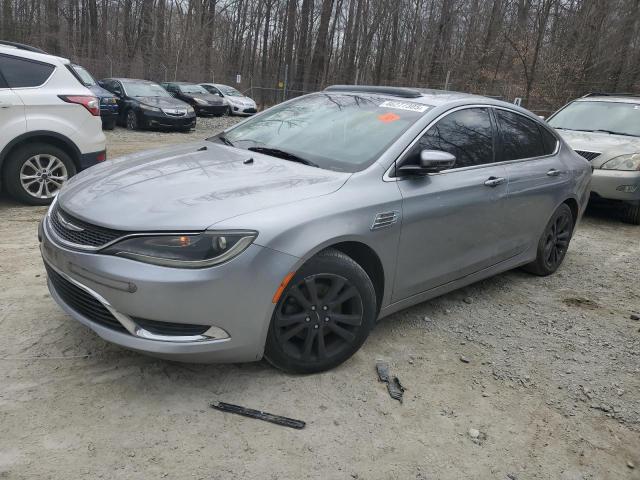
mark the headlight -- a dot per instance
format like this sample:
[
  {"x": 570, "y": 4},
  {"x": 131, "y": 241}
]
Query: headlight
[
  {"x": 627, "y": 162},
  {"x": 200, "y": 101},
  {"x": 190, "y": 110},
  {"x": 184, "y": 251},
  {"x": 149, "y": 108}
]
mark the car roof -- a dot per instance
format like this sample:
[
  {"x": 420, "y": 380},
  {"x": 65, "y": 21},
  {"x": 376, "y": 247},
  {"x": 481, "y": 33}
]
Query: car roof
[
  {"x": 137, "y": 80},
  {"x": 39, "y": 56},
  {"x": 620, "y": 98},
  {"x": 181, "y": 83},
  {"x": 426, "y": 96}
]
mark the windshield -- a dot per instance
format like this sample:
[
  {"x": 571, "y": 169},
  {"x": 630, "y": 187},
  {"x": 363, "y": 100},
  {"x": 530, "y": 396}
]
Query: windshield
[
  {"x": 145, "y": 90},
  {"x": 85, "y": 76},
  {"x": 232, "y": 92},
  {"x": 614, "y": 117},
  {"x": 339, "y": 132},
  {"x": 192, "y": 89}
]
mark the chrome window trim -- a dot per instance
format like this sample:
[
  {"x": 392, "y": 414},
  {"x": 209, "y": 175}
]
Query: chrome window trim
[{"x": 387, "y": 174}]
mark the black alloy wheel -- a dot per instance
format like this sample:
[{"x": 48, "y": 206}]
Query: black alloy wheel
[
  {"x": 323, "y": 316},
  {"x": 132, "y": 120},
  {"x": 554, "y": 243}
]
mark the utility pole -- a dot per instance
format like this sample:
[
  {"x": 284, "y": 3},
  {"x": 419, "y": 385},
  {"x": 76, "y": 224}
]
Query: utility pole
[{"x": 286, "y": 79}]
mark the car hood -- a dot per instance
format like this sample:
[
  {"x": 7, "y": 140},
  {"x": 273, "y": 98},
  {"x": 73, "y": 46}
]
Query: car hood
[
  {"x": 608, "y": 145},
  {"x": 162, "y": 102},
  {"x": 188, "y": 187},
  {"x": 240, "y": 100}
]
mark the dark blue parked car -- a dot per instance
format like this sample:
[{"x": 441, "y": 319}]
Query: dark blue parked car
[{"x": 108, "y": 103}]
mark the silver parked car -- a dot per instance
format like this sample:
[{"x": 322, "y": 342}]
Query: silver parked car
[
  {"x": 290, "y": 234},
  {"x": 238, "y": 103},
  {"x": 605, "y": 129}
]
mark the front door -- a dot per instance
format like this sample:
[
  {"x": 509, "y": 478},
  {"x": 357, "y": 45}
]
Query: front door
[{"x": 452, "y": 221}]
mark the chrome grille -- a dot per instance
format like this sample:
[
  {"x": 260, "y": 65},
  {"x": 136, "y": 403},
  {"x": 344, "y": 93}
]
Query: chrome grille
[
  {"x": 588, "y": 155},
  {"x": 384, "y": 219},
  {"x": 85, "y": 234}
]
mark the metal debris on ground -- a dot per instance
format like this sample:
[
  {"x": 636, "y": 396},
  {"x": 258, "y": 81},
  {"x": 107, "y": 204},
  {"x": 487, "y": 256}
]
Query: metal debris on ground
[
  {"x": 267, "y": 417},
  {"x": 395, "y": 388}
]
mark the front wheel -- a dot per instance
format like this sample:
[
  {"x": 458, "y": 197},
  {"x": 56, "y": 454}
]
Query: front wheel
[
  {"x": 554, "y": 242},
  {"x": 132, "y": 120},
  {"x": 324, "y": 315}
]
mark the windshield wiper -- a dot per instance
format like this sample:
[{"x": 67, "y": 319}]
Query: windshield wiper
[
  {"x": 276, "y": 152},
  {"x": 612, "y": 132},
  {"x": 225, "y": 140}
]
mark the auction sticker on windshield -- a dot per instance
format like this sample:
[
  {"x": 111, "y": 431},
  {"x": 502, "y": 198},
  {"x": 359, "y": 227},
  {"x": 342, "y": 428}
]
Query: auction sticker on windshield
[{"x": 412, "y": 107}]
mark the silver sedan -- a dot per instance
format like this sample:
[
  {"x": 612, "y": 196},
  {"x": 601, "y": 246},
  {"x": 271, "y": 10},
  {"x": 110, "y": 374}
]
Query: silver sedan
[{"x": 290, "y": 234}]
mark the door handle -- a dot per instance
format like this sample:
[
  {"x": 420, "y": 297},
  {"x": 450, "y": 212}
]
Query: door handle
[
  {"x": 494, "y": 181},
  {"x": 553, "y": 172}
]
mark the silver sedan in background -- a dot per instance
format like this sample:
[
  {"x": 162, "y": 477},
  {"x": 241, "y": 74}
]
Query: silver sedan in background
[
  {"x": 239, "y": 103},
  {"x": 288, "y": 235}
]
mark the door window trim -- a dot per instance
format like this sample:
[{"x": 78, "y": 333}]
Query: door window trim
[{"x": 497, "y": 141}]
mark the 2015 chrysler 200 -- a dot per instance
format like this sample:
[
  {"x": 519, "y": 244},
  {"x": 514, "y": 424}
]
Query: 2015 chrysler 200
[{"x": 290, "y": 234}]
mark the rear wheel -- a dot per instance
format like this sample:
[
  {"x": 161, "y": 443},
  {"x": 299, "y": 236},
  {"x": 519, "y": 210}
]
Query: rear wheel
[
  {"x": 632, "y": 214},
  {"x": 34, "y": 174},
  {"x": 324, "y": 315},
  {"x": 554, "y": 242}
]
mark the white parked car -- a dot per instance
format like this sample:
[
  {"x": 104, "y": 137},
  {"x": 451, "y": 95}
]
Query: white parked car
[
  {"x": 51, "y": 127},
  {"x": 239, "y": 104}
]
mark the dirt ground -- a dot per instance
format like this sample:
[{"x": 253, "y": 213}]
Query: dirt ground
[{"x": 551, "y": 389}]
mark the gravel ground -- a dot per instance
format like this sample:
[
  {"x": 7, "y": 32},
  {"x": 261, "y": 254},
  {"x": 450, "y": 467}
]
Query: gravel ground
[{"x": 516, "y": 377}]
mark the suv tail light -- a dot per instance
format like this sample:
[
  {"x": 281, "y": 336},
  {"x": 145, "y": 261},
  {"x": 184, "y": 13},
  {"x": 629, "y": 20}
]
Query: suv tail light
[{"x": 90, "y": 103}]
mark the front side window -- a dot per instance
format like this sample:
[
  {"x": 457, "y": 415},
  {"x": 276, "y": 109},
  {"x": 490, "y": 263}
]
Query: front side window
[
  {"x": 22, "y": 73},
  {"x": 619, "y": 118},
  {"x": 336, "y": 131},
  {"x": 521, "y": 137},
  {"x": 467, "y": 134}
]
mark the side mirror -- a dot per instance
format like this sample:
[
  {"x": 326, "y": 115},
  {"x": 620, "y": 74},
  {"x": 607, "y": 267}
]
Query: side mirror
[
  {"x": 541, "y": 117},
  {"x": 431, "y": 161}
]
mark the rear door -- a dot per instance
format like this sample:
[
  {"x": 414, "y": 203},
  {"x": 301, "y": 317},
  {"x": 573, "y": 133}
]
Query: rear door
[
  {"x": 452, "y": 221},
  {"x": 536, "y": 176},
  {"x": 12, "y": 115}
]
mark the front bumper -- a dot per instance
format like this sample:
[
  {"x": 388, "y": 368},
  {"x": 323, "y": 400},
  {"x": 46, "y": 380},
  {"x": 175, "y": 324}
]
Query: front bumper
[
  {"x": 162, "y": 120},
  {"x": 243, "y": 109},
  {"x": 616, "y": 185},
  {"x": 210, "y": 109},
  {"x": 234, "y": 297}
]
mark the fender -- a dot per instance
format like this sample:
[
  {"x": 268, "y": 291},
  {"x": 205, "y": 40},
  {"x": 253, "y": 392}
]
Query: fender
[{"x": 71, "y": 147}]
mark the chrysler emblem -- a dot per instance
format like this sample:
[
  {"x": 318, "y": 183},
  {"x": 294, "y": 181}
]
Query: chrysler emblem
[{"x": 67, "y": 224}]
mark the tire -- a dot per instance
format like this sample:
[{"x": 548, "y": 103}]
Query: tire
[
  {"x": 109, "y": 124},
  {"x": 632, "y": 214},
  {"x": 554, "y": 242},
  {"x": 131, "y": 120},
  {"x": 332, "y": 331},
  {"x": 34, "y": 173}
]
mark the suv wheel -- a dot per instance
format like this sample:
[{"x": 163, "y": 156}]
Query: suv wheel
[
  {"x": 632, "y": 214},
  {"x": 554, "y": 242},
  {"x": 132, "y": 120},
  {"x": 324, "y": 315},
  {"x": 35, "y": 173}
]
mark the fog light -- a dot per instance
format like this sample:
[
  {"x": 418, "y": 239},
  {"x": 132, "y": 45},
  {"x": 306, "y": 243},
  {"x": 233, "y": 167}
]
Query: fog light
[{"x": 627, "y": 188}]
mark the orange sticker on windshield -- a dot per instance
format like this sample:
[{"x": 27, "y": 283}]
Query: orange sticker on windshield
[{"x": 388, "y": 117}]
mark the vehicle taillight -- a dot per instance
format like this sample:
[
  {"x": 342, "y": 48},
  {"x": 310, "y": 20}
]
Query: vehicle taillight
[{"x": 88, "y": 102}]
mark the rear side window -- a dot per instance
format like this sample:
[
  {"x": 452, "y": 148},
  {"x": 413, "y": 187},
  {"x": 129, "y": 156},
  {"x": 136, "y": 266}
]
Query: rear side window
[
  {"x": 467, "y": 134},
  {"x": 20, "y": 73},
  {"x": 549, "y": 140},
  {"x": 521, "y": 137}
]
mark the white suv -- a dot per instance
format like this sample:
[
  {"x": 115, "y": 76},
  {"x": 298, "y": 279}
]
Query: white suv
[{"x": 51, "y": 125}]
